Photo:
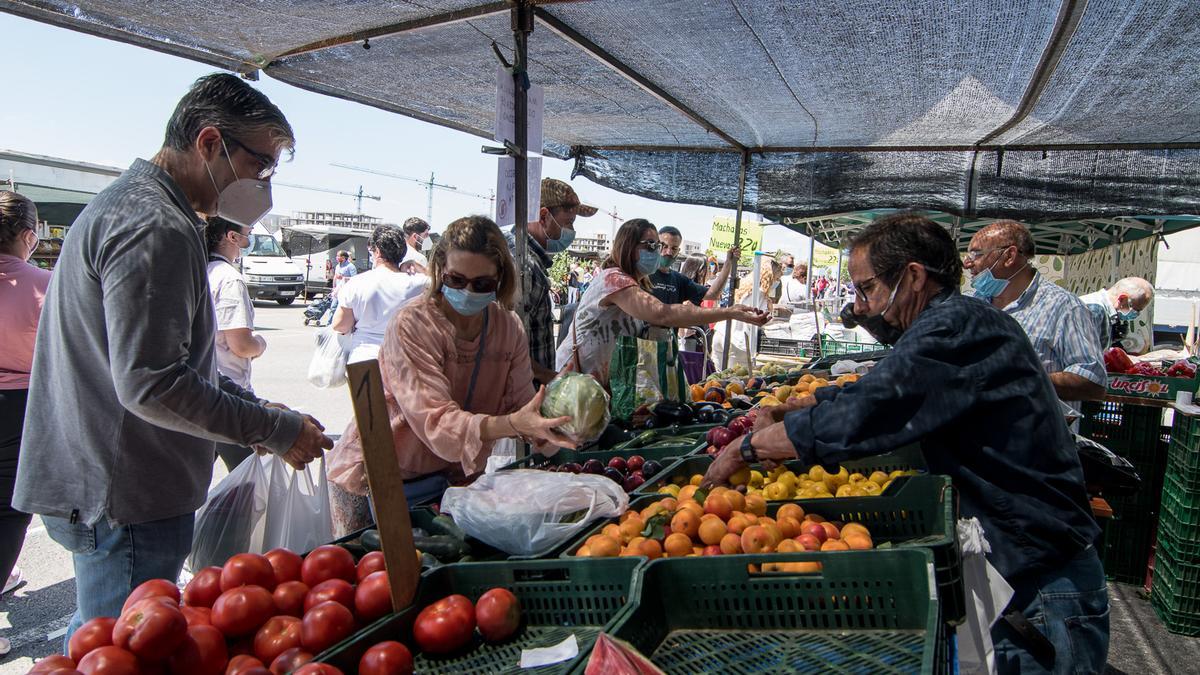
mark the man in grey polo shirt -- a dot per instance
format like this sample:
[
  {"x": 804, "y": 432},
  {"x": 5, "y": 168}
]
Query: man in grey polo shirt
[{"x": 125, "y": 404}]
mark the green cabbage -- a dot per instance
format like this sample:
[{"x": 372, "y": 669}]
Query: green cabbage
[{"x": 581, "y": 398}]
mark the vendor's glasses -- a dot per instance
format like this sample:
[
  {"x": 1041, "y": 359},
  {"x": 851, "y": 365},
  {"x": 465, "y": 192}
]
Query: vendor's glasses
[
  {"x": 478, "y": 284},
  {"x": 266, "y": 163},
  {"x": 652, "y": 245},
  {"x": 863, "y": 287},
  {"x": 976, "y": 254}
]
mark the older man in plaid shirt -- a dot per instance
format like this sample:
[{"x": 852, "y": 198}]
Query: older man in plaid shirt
[{"x": 1058, "y": 324}]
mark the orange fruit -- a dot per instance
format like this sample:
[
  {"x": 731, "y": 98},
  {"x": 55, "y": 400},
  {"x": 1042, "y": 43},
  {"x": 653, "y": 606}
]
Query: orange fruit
[
  {"x": 626, "y": 516},
  {"x": 855, "y": 528},
  {"x": 686, "y": 493},
  {"x": 756, "y": 539},
  {"x": 605, "y": 547},
  {"x": 670, "y": 503},
  {"x": 814, "y": 518},
  {"x": 686, "y": 523},
  {"x": 612, "y": 530},
  {"x": 738, "y": 524},
  {"x": 650, "y": 548},
  {"x": 731, "y": 544},
  {"x": 697, "y": 392},
  {"x": 735, "y": 388},
  {"x": 789, "y": 527},
  {"x": 677, "y": 545},
  {"x": 651, "y": 511},
  {"x": 831, "y": 531},
  {"x": 805, "y": 567},
  {"x": 697, "y": 550},
  {"x": 584, "y": 551},
  {"x": 719, "y": 506},
  {"x": 790, "y": 511},
  {"x": 714, "y": 394},
  {"x": 756, "y": 504},
  {"x": 858, "y": 542},
  {"x": 691, "y": 506},
  {"x": 737, "y": 500},
  {"x": 834, "y": 545},
  {"x": 773, "y": 530},
  {"x": 789, "y": 546},
  {"x": 631, "y": 528},
  {"x": 712, "y": 531}
]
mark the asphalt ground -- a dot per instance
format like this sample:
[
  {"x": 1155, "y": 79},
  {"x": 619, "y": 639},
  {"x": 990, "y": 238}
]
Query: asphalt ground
[{"x": 34, "y": 617}]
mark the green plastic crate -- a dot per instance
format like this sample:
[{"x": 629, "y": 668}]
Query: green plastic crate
[
  {"x": 831, "y": 346},
  {"x": 1186, "y": 430},
  {"x": 1176, "y": 589},
  {"x": 558, "y": 598},
  {"x": 908, "y": 458},
  {"x": 918, "y": 511},
  {"x": 1128, "y": 430},
  {"x": 1183, "y": 460},
  {"x": 864, "y": 612}
]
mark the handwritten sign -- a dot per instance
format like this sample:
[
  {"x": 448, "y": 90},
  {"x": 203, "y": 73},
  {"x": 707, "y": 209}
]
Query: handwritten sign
[
  {"x": 720, "y": 239},
  {"x": 506, "y": 189}
]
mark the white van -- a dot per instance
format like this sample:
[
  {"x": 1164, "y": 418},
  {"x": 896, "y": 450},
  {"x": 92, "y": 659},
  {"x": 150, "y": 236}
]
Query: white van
[{"x": 269, "y": 273}]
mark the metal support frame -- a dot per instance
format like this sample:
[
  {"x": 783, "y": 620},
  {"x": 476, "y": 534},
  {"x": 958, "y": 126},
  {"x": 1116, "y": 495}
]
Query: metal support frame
[
  {"x": 737, "y": 243},
  {"x": 522, "y": 26}
]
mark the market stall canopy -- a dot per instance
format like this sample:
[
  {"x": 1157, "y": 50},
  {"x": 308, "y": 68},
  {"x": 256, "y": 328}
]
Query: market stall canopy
[{"x": 1046, "y": 110}]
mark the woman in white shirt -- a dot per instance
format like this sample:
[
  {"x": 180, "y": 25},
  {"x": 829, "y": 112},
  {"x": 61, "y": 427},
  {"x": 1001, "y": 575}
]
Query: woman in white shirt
[{"x": 369, "y": 300}]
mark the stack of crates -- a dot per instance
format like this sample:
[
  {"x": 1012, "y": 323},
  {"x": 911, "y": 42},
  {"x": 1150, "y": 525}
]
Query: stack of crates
[
  {"x": 1176, "y": 588},
  {"x": 1134, "y": 432}
]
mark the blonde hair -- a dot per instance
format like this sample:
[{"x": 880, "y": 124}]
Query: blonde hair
[
  {"x": 476, "y": 234},
  {"x": 766, "y": 279}
]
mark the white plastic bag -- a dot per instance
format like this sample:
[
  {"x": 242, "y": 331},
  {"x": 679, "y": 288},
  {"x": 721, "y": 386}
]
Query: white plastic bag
[
  {"x": 328, "y": 366},
  {"x": 987, "y": 595},
  {"x": 298, "y": 515},
  {"x": 529, "y": 512},
  {"x": 231, "y": 519}
]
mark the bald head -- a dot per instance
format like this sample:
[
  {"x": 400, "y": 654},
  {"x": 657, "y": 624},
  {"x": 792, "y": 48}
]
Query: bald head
[
  {"x": 1004, "y": 233},
  {"x": 1132, "y": 292}
]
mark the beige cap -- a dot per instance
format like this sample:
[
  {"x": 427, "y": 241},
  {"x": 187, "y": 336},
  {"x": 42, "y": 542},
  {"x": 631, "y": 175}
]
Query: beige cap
[{"x": 557, "y": 194}]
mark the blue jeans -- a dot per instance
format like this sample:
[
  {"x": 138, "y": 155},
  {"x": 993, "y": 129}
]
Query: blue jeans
[
  {"x": 111, "y": 562},
  {"x": 1070, "y": 607}
]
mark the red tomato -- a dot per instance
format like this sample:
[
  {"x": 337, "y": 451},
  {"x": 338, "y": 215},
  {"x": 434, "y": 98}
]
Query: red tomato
[
  {"x": 242, "y": 665},
  {"x": 290, "y": 660},
  {"x": 242, "y": 610},
  {"x": 150, "y": 589},
  {"x": 277, "y": 635},
  {"x": 498, "y": 614},
  {"x": 203, "y": 652},
  {"x": 371, "y": 562},
  {"x": 386, "y": 658},
  {"x": 373, "y": 597},
  {"x": 94, "y": 634},
  {"x": 52, "y": 663},
  {"x": 336, "y": 590},
  {"x": 318, "y": 669},
  {"x": 328, "y": 562},
  {"x": 289, "y": 598},
  {"x": 62, "y": 671},
  {"x": 109, "y": 660},
  {"x": 197, "y": 616},
  {"x": 150, "y": 629},
  {"x": 286, "y": 564},
  {"x": 445, "y": 626},
  {"x": 248, "y": 569},
  {"x": 204, "y": 588},
  {"x": 325, "y": 625}
]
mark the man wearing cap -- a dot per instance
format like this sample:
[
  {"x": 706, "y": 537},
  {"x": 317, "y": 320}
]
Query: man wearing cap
[
  {"x": 551, "y": 233},
  {"x": 671, "y": 287}
]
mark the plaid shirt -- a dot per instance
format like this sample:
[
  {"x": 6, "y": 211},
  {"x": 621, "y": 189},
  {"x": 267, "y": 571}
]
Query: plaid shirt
[
  {"x": 1062, "y": 330},
  {"x": 539, "y": 321}
]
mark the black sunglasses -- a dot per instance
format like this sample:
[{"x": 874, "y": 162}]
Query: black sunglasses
[{"x": 478, "y": 284}]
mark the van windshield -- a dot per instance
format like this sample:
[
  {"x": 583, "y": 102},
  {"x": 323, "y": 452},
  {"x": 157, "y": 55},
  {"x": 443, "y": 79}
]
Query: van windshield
[{"x": 264, "y": 245}]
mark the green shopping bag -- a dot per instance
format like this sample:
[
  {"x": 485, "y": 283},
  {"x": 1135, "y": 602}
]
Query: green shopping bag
[{"x": 643, "y": 372}]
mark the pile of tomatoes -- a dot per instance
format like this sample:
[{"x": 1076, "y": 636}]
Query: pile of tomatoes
[{"x": 259, "y": 614}]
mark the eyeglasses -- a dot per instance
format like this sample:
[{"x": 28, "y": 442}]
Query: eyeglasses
[
  {"x": 655, "y": 246},
  {"x": 478, "y": 284},
  {"x": 972, "y": 256},
  {"x": 266, "y": 163},
  {"x": 861, "y": 289}
]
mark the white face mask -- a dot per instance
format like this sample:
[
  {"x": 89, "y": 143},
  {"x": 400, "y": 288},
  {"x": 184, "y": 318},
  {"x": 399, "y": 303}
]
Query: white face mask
[{"x": 244, "y": 201}]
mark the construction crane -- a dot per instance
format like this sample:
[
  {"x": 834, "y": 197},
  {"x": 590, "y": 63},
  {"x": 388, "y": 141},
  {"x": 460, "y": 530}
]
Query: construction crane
[
  {"x": 430, "y": 186},
  {"x": 358, "y": 196},
  {"x": 615, "y": 218}
]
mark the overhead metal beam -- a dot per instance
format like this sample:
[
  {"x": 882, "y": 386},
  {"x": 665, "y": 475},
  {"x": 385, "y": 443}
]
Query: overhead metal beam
[
  {"x": 620, "y": 67},
  {"x": 396, "y": 28},
  {"x": 773, "y": 149}
]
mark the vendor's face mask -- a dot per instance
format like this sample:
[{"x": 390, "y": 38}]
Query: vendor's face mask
[
  {"x": 988, "y": 286},
  {"x": 244, "y": 201},
  {"x": 875, "y": 324}
]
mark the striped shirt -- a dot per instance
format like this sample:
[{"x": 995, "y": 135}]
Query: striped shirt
[{"x": 1062, "y": 330}]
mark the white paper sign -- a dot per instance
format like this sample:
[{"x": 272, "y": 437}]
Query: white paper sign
[
  {"x": 506, "y": 116},
  {"x": 544, "y": 656},
  {"x": 506, "y": 189}
]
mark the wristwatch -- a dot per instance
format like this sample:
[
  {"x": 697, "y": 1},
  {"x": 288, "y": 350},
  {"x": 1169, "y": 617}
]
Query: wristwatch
[{"x": 749, "y": 454}]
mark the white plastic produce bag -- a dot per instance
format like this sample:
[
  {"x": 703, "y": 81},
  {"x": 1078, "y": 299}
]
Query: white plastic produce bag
[
  {"x": 328, "y": 366},
  {"x": 262, "y": 504},
  {"x": 529, "y": 512},
  {"x": 988, "y": 595}
]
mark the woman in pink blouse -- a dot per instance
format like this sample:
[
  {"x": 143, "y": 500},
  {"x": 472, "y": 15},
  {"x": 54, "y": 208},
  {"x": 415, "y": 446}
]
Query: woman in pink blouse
[
  {"x": 456, "y": 374},
  {"x": 22, "y": 290}
]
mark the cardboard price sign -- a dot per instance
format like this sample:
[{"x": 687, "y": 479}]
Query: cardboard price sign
[{"x": 720, "y": 239}]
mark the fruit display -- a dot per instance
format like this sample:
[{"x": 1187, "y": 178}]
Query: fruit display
[
  {"x": 257, "y": 613},
  {"x": 629, "y": 472},
  {"x": 1117, "y": 361},
  {"x": 721, "y": 522},
  {"x": 789, "y": 480}
]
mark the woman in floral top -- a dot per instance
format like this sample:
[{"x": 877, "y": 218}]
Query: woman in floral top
[{"x": 618, "y": 302}]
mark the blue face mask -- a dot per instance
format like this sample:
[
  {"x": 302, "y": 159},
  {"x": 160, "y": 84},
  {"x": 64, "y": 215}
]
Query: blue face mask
[
  {"x": 467, "y": 303},
  {"x": 647, "y": 262},
  {"x": 565, "y": 237},
  {"x": 987, "y": 286},
  {"x": 1129, "y": 315}
]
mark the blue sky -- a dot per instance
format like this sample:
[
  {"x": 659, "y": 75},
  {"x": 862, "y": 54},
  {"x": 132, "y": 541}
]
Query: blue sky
[{"x": 80, "y": 97}]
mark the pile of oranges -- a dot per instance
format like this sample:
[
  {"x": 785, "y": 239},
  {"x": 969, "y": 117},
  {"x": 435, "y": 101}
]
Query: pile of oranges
[{"x": 721, "y": 522}]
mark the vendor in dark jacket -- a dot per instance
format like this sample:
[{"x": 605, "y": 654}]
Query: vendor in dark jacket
[{"x": 964, "y": 382}]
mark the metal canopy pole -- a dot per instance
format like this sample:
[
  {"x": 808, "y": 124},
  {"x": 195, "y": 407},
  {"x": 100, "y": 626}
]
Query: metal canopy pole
[
  {"x": 737, "y": 243},
  {"x": 522, "y": 26}
]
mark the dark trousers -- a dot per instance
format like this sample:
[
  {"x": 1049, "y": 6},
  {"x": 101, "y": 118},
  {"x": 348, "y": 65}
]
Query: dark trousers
[{"x": 12, "y": 523}]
